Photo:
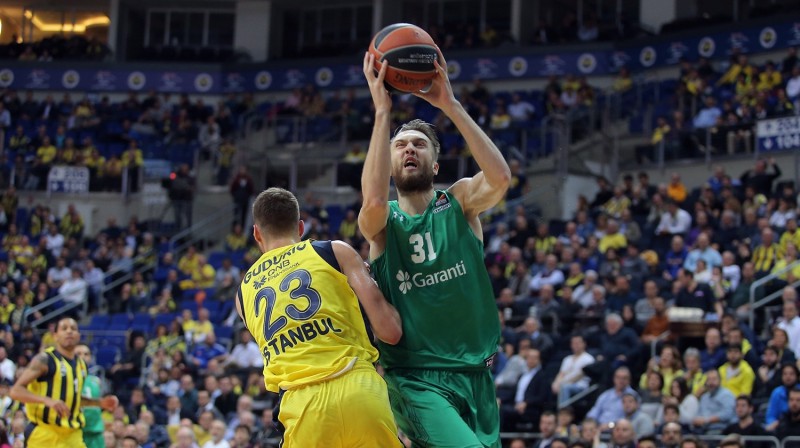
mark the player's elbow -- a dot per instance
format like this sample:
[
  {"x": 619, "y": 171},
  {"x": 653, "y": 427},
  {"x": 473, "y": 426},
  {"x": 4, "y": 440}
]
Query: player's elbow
[
  {"x": 14, "y": 393},
  {"x": 393, "y": 336},
  {"x": 502, "y": 179}
]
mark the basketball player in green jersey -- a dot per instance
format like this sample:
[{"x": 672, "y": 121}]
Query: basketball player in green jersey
[
  {"x": 93, "y": 431},
  {"x": 426, "y": 252}
]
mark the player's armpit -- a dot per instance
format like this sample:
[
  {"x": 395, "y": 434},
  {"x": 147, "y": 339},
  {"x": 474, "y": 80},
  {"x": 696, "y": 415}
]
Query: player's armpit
[
  {"x": 476, "y": 195},
  {"x": 382, "y": 315}
]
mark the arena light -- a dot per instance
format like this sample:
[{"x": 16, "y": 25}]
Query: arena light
[{"x": 78, "y": 27}]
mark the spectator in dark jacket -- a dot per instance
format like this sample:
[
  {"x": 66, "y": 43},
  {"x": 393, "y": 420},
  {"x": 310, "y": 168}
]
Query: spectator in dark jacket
[
  {"x": 618, "y": 344},
  {"x": 758, "y": 177},
  {"x": 242, "y": 189},
  {"x": 789, "y": 425}
]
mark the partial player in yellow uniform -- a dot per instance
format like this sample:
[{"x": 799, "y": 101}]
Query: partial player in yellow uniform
[
  {"x": 300, "y": 301},
  {"x": 51, "y": 389}
]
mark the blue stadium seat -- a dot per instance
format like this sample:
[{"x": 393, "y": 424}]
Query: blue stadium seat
[
  {"x": 224, "y": 334},
  {"x": 215, "y": 258},
  {"x": 106, "y": 356},
  {"x": 119, "y": 322},
  {"x": 141, "y": 318},
  {"x": 101, "y": 320},
  {"x": 164, "y": 319}
]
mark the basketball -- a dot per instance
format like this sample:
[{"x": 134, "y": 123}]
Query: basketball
[{"x": 410, "y": 52}]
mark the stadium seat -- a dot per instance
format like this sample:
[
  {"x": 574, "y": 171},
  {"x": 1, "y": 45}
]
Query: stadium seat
[
  {"x": 164, "y": 319},
  {"x": 119, "y": 322},
  {"x": 106, "y": 356},
  {"x": 224, "y": 334}
]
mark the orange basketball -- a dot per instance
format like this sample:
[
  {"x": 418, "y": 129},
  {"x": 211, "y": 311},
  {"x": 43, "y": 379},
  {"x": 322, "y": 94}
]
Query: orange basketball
[{"x": 410, "y": 52}]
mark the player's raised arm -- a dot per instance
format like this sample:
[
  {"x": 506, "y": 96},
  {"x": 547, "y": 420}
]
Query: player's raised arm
[
  {"x": 489, "y": 186},
  {"x": 377, "y": 166},
  {"x": 382, "y": 315}
]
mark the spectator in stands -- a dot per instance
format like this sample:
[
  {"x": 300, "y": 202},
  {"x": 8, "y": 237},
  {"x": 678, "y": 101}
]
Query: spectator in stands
[
  {"x": 521, "y": 111},
  {"x": 708, "y": 116},
  {"x": 500, "y": 119},
  {"x": 759, "y": 179},
  {"x": 740, "y": 66},
  {"x": 766, "y": 254},
  {"x": 790, "y": 321},
  {"x": 702, "y": 251},
  {"x": 675, "y": 221},
  {"x": 583, "y": 294},
  {"x": 58, "y": 274},
  {"x": 623, "y": 81},
  {"x": 130, "y": 366},
  {"x": 768, "y": 376},
  {"x": 642, "y": 424},
  {"x": 778, "y": 403},
  {"x": 713, "y": 354},
  {"x": 612, "y": 239},
  {"x": 668, "y": 365},
  {"x": 519, "y": 181},
  {"x": 692, "y": 294},
  {"x": 789, "y": 425},
  {"x": 547, "y": 429},
  {"x": 74, "y": 290},
  {"x": 530, "y": 396},
  {"x": 551, "y": 275},
  {"x": 208, "y": 350},
  {"x": 181, "y": 195},
  {"x": 681, "y": 395},
  {"x": 608, "y": 407},
  {"x": 746, "y": 425},
  {"x": 245, "y": 354},
  {"x": 676, "y": 190},
  {"x": 241, "y": 188},
  {"x": 539, "y": 340},
  {"x": 717, "y": 406},
  {"x": 736, "y": 375},
  {"x": 570, "y": 379},
  {"x": 790, "y": 235}
]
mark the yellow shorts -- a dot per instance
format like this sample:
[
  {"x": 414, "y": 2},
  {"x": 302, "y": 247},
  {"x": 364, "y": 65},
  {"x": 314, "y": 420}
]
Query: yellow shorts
[
  {"x": 48, "y": 436},
  {"x": 350, "y": 411}
]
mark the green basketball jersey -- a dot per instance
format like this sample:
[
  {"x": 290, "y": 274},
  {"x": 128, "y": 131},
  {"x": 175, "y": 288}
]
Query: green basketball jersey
[
  {"x": 93, "y": 415},
  {"x": 432, "y": 271}
]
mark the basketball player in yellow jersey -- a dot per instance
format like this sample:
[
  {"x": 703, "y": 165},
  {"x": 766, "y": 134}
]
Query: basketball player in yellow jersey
[
  {"x": 51, "y": 389},
  {"x": 300, "y": 301}
]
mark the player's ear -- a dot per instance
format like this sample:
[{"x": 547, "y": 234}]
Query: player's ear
[
  {"x": 435, "y": 168},
  {"x": 301, "y": 228},
  {"x": 257, "y": 234}
]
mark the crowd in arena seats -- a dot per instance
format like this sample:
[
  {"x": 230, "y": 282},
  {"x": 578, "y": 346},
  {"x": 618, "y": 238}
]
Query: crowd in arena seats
[
  {"x": 112, "y": 138},
  {"x": 163, "y": 339},
  {"x": 56, "y": 47},
  {"x": 716, "y": 111}
]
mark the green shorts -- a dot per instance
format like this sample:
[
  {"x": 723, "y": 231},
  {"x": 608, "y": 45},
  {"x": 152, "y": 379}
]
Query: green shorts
[
  {"x": 445, "y": 408},
  {"x": 94, "y": 440}
]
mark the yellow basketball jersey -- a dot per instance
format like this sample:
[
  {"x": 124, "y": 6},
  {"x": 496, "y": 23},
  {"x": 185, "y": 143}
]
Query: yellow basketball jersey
[
  {"x": 304, "y": 316},
  {"x": 63, "y": 381}
]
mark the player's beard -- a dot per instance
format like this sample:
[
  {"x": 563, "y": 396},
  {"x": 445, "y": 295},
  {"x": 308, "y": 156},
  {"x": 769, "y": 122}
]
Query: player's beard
[{"x": 418, "y": 182}]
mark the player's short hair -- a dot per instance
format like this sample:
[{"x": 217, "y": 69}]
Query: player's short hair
[
  {"x": 276, "y": 211},
  {"x": 427, "y": 129}
]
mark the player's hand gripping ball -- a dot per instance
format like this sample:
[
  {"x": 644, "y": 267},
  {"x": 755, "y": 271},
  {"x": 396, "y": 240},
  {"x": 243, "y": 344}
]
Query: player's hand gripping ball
[{"x": 410, "y": 53}]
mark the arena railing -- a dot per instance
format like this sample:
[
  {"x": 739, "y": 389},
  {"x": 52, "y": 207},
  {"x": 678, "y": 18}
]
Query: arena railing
[
  {"x": 755, "y": 304},
  {"x": 579, "y": 396},
  {"x": 794, "y": 440},
  {"x": 606, "y": 437},
  {"x": 107, "y": 285},
  {"x": 208, "y": 227}
]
